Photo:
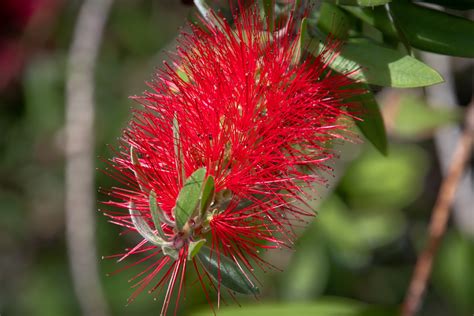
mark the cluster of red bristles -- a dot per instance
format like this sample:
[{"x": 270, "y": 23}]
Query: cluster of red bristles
[{"x": 260, "y": 123}]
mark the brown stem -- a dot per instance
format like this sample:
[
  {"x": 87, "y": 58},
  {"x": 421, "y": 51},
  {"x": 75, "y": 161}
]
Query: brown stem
[{"x": 440, "y": 217}]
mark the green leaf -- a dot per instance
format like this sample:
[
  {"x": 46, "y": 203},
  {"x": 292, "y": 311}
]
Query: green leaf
[
  {"x": 307, "y": 275},
  {"x": 372, "y": 124},
  {"x": 226, "y": 272},
  {"x": 333, "y": 20},
  {"x": 435, "y": 31},
  {"x": 456, "y": 4},
  {"x": 207, "y": 195},
  {"x": 142, "y": 226},
  {"x": 452, "y": 272},
  {"x": 204, "y": 10},
  {"x": 137, "y": 172},
  {"x": 304, "y": 35},
  {"x": 424, "y": 28},
  {"x": 402, "y": 174},
  {"x": 194, "y": 247},
  {"x": 415, "y": 118},
  {"x": 303, "y": 38},
  {"x": 178, "y": 150},
  {"x": 209, "y": 15},
  {"x": 157, "y": 213},
  {"x": 361, "y": 3},
  {"x": 321, "y": 307},
  {"x": 376, "y": 17},
  {"x": 381, "y": 66},
  {"x": 353, "y": 233},
  {"x": 269, "y": 10},
  {"x": 188, "y": 197},
  {"x": 170, "y": 252}
]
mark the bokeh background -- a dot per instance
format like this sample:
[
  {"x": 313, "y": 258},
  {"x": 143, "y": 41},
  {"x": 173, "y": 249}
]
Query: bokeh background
[{"x": 371, "y": 221}]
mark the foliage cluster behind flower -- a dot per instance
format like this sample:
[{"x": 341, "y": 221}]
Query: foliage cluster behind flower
[{"x": 228, "y": 138}]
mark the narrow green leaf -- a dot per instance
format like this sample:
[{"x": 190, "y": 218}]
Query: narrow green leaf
[
  {"x": 304, "y": 35},
  {"x": 361, "y": 3},
  {"x": 188, "y": 197},
  {"x": 178, "y": 150},
  {"x": 381, "y": 66},
  {"x": 157, "y": 214},
  {"x": 226, "y": 272},
  {"x": 424, "y": 28},
  {"x": 303, "y": 38},
  {"x": 269, "y": 10},
  {"x": 332, "y": 19},
  {"x": 137, "y": 172},
  {"x": 194, "y": 247},
  {"x": 207, "y": 195},
  {"x": 204, "y": 10},
  {"x": 372, "y": 125},
  {"x": 142, "y": 226},
  {"x": 457, "y": 4},
  {"x": 401, "y": 37},
  {"x": 434, "y": 31},
  {"x": 170, "y": 252},
  {"x": 376, "y": 17}
]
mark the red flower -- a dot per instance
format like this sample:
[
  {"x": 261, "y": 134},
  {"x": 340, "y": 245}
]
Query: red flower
[{"x": 234, "y": 108}]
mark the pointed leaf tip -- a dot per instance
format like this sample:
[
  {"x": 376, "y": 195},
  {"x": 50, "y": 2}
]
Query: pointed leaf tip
[
  {"x": 170, "y": 252},
  {"x": 194, "y": 247},
  {"x": 366, "y": 61},
  {"x": 372, "y": 124},
  {"x": 303, "y": 40}
]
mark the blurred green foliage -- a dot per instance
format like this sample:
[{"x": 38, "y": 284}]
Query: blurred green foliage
[{"x": 361, "y": 245}]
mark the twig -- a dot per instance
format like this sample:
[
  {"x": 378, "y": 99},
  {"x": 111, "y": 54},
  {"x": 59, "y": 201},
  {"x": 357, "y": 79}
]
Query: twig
[
  {"x": 442, "y": 96},
  {"x": 80, "y": 197},
  {"x": 440, "y": 217}
]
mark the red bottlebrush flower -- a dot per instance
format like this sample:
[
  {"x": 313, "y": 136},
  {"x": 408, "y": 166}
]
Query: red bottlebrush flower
[{"x": 227, "y": 140}]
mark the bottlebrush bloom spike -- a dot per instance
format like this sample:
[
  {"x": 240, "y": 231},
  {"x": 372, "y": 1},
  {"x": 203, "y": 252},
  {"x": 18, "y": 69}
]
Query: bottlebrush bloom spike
[{"x": 228, "y": 138}]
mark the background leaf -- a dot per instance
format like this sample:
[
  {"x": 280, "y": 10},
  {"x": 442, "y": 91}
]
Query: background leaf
[
  {"x": 224, "y": 271},
  {"x": 401, "y": 173},
  {"x": 453, "y": 4},
  {"x": 434, "y": 31},
  {"x": 415, "y": 118},
  {"x": 332, "y": 19},
  {"x": 362, "y": 3},
  {"x": 323, "y": 307}
]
